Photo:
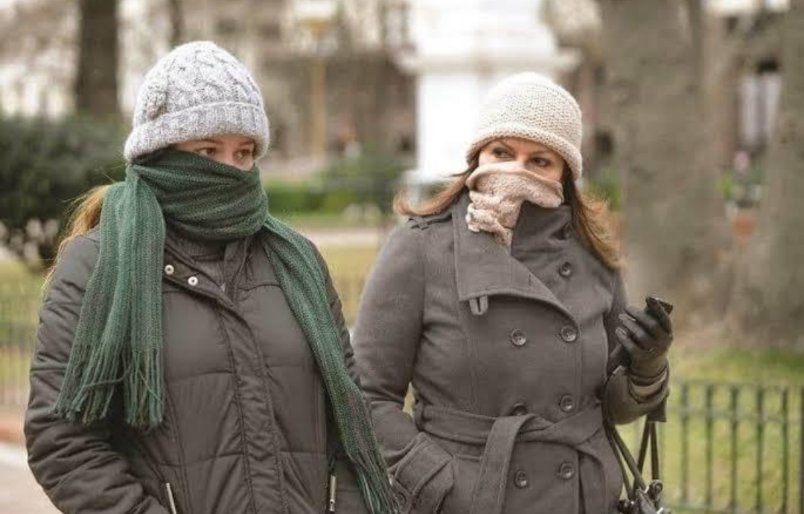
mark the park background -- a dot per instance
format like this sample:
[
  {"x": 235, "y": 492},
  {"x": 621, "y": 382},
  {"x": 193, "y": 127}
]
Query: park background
[{"x": 693, "y": 131}]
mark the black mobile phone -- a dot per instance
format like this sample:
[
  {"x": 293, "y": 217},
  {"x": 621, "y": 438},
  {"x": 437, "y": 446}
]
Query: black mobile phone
[{"x": 656, "y": 305}]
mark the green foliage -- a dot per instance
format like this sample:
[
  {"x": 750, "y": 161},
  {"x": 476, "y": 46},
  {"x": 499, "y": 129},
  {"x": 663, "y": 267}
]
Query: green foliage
[
  {"x": 45, "y": 164},
  {"x": 291, "y": 197},
  {"x": 605, "y": 185},
  {"x": 368, "y": 178},
  {"x": 725, "y": 184}
]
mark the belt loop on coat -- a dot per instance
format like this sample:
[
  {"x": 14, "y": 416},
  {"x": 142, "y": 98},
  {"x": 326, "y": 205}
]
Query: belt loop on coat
[{"x": 479, "y": 306}]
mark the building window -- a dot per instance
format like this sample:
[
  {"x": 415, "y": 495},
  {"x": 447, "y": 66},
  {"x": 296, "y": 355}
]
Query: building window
[
  {"x": 759, "y": 100},
  {"x": 271, "y": 30}
]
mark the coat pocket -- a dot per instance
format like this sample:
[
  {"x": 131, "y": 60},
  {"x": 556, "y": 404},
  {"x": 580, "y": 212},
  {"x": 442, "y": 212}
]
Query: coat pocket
[
  {"x": 423, "y": 477},
  {"x": 465, "y": 470}
]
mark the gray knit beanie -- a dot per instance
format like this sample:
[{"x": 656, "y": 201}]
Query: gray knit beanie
[
  {"x": 196, "y": 91},
  {"x": 533, "y": 107}
]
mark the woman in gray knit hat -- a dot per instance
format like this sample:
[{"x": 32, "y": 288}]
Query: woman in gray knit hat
[
  {"x": 499, "y": 302},
  {"x": 192, "y": 355}
]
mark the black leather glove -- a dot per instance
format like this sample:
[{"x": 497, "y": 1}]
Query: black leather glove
[{"x": 646, "y": 336}]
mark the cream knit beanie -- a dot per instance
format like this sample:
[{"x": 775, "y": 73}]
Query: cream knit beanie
[
  {"x": 533, "y": 107},
  {"x": 196, "y": 91}
]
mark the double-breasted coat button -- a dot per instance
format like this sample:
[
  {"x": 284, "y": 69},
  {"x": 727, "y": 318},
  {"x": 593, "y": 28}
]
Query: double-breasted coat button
[
  {"x": 567, "y": 403},
  {"x": 565, "y": 270},
  {"x": 521, "y": 479},
  {"x": 518, "y": 338},
  {"x": 169, "y": 269},
  {"x": 566, "y": 471},
  {"x": 401, "y": 498},
  {"x": 569, "y": 334},
  {"x": 193, "y": 281},
  {"x": 519, "y": 409}
]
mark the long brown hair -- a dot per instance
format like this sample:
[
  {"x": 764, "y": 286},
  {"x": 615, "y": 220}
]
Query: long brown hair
[
  {"x": 590, "y": 215},
  {"x": 86, "y": 212},
  {"x": 85, "y": 217}
]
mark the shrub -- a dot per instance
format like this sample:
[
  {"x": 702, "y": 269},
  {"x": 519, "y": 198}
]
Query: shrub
[
  {"x": 368, "y": 178},
  {"x": 44, "y": 165}
]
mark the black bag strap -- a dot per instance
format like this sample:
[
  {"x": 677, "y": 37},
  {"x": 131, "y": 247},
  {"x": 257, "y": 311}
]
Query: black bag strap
[{"x": 642, "y": 497}]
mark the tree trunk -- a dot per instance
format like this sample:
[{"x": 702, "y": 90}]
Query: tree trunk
[
  {"x": 767, "y": 306},
  {"x": 176, "y": 12},
  {"x": 676, "y": 236},
  {"x": 96, "y": 75}
]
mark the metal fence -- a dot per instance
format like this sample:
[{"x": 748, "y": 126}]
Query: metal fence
[
  {"x": 726, "y": 448},
  {"x": 731, "y": 448},
  {"x": 18, "y": 321}
]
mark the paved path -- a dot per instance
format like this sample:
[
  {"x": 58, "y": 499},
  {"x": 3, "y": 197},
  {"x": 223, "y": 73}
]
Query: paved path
[
  {"x": 346, "y": 237},
  {"x": 19, "y": 493}
]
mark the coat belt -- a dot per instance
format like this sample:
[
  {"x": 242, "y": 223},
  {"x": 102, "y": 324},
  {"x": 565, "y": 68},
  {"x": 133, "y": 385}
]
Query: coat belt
[{"x": 499, "y": 435}]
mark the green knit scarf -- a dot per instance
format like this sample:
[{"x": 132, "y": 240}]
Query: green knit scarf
[{"x": 118, "y": 339}]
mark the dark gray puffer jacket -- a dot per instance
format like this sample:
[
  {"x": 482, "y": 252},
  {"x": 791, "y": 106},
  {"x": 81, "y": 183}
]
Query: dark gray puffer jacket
[{"x": 245, "y": 427}]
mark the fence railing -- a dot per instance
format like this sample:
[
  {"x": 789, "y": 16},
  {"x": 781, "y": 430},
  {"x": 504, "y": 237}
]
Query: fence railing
[
  {"x": 730, "y": 448},
  {"x": 726, "y": 448}
]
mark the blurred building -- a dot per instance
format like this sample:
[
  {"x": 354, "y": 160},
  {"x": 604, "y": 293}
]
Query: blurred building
[
  {"x": 460, "y": 48},
  {"x": 324, "y": 66},
  {"x": 747, "y": 77},
  {"x": 405, "y": 75}
]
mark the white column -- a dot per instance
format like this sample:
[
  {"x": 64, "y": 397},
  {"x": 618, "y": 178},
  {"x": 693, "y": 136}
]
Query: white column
[{"x": 462, "y": 48}]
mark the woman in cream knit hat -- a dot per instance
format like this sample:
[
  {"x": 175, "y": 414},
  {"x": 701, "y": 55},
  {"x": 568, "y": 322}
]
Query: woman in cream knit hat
[
  {"x": 499, "y": 302},
  {"x": 192, "y": 356}
]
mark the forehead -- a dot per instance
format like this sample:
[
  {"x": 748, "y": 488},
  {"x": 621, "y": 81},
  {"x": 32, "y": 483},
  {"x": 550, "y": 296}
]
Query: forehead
[{"x": 228, "y": 139}]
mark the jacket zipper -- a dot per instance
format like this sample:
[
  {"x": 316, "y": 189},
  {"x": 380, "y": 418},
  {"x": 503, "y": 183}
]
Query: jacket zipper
[
  {"x": 170, "y": 498},
  {"x": 333, "y": 487}
]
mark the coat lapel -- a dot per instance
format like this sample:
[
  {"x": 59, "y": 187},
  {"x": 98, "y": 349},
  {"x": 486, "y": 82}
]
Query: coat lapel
[{"x": 484, "y": 268}]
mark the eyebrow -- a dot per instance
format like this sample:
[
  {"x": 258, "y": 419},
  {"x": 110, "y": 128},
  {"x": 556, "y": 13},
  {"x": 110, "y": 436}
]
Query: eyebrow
[
  {"x": 218, "y": 142},
  {"x": 510, "y": 148},
  {"x": 545, "y": 151}
]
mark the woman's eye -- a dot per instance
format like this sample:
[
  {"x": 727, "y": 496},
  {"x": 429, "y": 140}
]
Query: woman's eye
[
  {"x": 244, "y": 154},
  {"x": 542, "y": 163},
  {"x": 499, "y": 152},
  {"x": 205, "y": 152}
]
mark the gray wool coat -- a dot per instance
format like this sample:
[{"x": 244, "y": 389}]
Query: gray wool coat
[
  {"x": 245, "y": 420},
  {"x": 507, "y": 357}
]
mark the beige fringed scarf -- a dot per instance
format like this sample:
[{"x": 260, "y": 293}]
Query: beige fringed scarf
[{"x": 497, "y": 191}]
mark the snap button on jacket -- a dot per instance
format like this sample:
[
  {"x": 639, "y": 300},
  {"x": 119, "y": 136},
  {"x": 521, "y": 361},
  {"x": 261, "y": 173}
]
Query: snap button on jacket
[{"x": 245, "y": 412}]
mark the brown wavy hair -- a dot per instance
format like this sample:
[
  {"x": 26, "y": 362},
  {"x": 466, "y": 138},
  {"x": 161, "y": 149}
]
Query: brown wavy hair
[
  {"x": 590, "y": 215},
  {"x": 86, "y": 213},
  {"x": 85, "y": 217}
]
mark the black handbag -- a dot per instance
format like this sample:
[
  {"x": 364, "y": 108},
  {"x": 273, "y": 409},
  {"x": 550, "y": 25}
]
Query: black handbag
[{"x": 641, "y": 497}]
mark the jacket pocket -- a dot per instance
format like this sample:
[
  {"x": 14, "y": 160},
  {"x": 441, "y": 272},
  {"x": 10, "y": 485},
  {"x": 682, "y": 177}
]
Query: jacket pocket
[
  {"x": 153, "y": 487},
  {"x": 423, "y": 476},
  {"x": 465, "y": 469},
  {"x": 348, "y": 499}
]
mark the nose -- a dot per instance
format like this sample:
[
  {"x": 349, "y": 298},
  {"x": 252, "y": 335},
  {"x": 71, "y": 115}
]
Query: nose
[{"x": 227, "y": 158}]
